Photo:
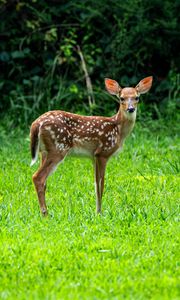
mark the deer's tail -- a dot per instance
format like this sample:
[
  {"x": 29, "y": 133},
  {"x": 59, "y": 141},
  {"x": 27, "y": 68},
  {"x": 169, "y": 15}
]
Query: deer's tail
[{"x": 34, "y": 143}]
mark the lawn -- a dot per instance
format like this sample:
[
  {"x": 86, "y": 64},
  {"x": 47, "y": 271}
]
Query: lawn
[{"x": 130, "y": 252}]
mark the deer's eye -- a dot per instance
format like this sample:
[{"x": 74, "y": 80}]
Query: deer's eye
[
  {"x": 122, "y": 99},
  {"x": 137, "y": 99}
]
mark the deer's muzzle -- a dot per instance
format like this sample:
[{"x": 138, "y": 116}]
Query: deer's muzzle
[{"x": 130, "y": 109}]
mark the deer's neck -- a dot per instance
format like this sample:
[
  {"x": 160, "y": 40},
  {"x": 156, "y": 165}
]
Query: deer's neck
[{"x": 125, "y": 122}]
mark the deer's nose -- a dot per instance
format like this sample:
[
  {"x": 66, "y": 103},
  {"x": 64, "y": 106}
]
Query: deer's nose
[{"x": 131, "y": 109}]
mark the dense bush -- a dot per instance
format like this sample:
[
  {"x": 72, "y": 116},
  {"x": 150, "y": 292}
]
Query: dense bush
[{"x": 125, "y": 40}]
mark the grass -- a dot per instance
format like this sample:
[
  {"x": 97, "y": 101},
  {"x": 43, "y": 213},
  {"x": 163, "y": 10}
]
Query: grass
[{"x": 130, "y": 252}]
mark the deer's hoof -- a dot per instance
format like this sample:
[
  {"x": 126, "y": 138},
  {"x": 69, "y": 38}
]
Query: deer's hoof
[{"x": 44, "y": 212}]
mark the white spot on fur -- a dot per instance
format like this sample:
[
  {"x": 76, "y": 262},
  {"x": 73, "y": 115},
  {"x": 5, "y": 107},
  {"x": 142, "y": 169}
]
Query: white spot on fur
[
  {"x": 48, "y": 128},
  {"x": 100, "y": 133}
]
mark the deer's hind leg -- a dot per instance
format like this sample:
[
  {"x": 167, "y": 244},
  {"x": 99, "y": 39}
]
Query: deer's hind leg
[
  {"x": 43, "y": 158},
  {"x": 48, "y": 165}
]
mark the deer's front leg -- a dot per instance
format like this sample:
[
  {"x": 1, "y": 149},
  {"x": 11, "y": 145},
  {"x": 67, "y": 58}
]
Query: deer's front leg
[{"x": 99, "y": 168}]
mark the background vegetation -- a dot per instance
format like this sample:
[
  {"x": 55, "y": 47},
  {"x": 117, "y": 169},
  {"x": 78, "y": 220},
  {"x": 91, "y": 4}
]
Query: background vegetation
[{"x": 125, "y": 40}]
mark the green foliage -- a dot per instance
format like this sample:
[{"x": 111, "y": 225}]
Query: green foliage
[
  {"x": 125, "y": 40},
  {"x": 130, "y": 252}
]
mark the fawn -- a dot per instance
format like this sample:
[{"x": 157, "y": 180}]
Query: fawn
[{"x": 56, "y": 134}]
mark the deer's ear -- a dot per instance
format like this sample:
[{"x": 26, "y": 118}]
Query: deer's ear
[
  {"x": 112, "y": 86},
  {"x": 144, "y": 85}
]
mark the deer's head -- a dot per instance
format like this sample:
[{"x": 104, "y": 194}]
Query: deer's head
[{"x": 128, "y": 96}]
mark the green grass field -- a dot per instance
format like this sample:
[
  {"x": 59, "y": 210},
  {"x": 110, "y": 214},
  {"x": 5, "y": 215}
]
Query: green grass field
[{"x": 131, "y": 251}]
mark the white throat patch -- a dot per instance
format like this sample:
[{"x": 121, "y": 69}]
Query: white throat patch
[{"x": 130, "y": 116}]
